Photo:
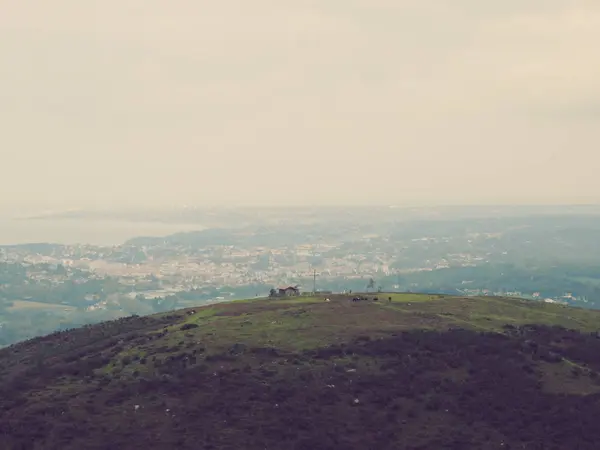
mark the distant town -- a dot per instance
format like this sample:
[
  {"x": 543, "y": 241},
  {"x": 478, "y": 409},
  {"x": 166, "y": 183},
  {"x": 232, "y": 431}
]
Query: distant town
[{"x": 55, "y": 286}]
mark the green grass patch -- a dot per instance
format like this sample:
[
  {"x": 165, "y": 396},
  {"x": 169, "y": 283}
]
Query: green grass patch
[
  {"x": 306, "y": 322},
  {"x": 409, "y": 298}
]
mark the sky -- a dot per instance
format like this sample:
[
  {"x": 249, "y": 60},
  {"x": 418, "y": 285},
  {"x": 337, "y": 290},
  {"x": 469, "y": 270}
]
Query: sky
[{"x": 122, "y": 103}]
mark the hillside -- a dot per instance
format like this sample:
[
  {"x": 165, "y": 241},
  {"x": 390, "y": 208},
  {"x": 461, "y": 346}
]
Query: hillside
[{"x": 416, "y": 372}]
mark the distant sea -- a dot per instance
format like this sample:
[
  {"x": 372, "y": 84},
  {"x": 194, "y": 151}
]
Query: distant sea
[{"x": 83, "y": 231}]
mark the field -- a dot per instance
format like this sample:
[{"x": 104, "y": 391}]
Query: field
[
  {"x": 407, "y": 371},
  {"x": 20, "y": 305}
]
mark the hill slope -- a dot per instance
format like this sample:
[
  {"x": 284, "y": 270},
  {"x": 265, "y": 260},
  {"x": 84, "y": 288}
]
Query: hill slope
[{"x": 416, "y": 372}]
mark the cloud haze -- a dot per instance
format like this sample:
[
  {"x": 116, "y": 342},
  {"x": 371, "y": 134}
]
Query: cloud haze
[{"x": 269, "y": 102}]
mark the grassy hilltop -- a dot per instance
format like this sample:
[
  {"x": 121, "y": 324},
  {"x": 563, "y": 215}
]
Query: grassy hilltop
[{"x": 416, "y": 372}]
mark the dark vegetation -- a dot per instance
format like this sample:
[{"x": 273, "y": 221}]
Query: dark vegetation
[{"x": 419, "y": 372}]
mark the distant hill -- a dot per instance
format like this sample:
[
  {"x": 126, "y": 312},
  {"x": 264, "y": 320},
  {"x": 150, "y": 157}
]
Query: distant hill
[
  {"x": 416, "y": 372},
  {"x": 256, "y": 235},
  {"x": 211, "y": 236}
]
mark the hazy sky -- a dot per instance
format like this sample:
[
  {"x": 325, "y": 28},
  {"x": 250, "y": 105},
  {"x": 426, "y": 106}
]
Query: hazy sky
[{"x": 298, "y": 102}]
